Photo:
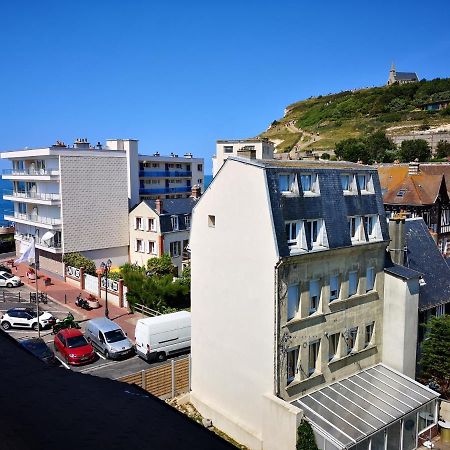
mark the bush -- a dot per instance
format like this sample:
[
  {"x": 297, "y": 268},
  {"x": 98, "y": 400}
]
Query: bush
[
  {"x": 325, "y": 156},
  {"x": 305, "y": 437},
  {"x": 443, "y": 149},
  {"x": 78, "y": 260},
  {"x": 414, "y": 149}
]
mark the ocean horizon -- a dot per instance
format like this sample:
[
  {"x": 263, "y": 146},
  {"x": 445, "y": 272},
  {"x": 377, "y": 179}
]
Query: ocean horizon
[{"x": 5, "y": 205}]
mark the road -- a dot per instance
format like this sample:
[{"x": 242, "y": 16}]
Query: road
[{"x": 101, "y": 367}]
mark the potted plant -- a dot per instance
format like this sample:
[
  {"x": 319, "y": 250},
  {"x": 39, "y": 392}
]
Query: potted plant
[{"x": 93, "y": 301}]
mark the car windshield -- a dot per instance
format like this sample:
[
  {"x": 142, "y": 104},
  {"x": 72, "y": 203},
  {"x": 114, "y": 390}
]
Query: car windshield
[
  {"x": 114, "y": 336},
  {"x": 76, "y": 341},
  {"x": 7, "y": 275}
]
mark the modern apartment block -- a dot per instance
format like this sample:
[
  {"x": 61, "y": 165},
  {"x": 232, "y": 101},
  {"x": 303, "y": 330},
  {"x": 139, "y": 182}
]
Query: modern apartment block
[
  {"x": 162, "y": 226},
  {"x": 261, "y": 148},
  {"x": 77, "y": 195},
  {"x": 293, "y": 299}
]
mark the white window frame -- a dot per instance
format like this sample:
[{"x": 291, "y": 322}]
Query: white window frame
[
  {"x": 335, "y": 355},
  {"x": 357, "y": 236},
  {"x": 314, "y": 288},
  {"x": 152, "y": 247},
  {"x": 293, "y": 301},
  {"x": 175, "y": 249},
  {"x": 352, "y": 189},
  {"x": 292, "y": 364},
  {"x": 140, "y": 246},
  {"x": 151, "y": 224},
  {"x": 293, "y": 243},
  {"x": 174, "y": 222},
  {"x": 187, "y": 221},
  {"x": 367, "y": 187},
  {"x": 313, "y": 188},
  {"x": 321, "y": 235},
  {"x": 334, "y": 296},
  {"x": 367, "y": 342},
  {"x": 292, "y": 184},
  {"x": 370, "y": 279},
  {"x": 350, "y": 275}
]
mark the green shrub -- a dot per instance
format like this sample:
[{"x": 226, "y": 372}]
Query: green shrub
[
  {"x": 305, "y": 437},
  {"x": 78, "y": 260},
  {"x": 325, "y": 155}
]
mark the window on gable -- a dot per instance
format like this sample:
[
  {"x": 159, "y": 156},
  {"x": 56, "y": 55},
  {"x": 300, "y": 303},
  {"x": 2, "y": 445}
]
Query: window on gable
[
  {"x": 292, "y": 232},
  {"x": 370, "y": 279},
  {"x": 139, "y": 223},
  {"x": 292, "y": 363},
  {"x": 333, "y": 345},
  {"x": 313, "y": 356},
  {"x": 334, "y": 287},
  {"x": 314, "y": 296},
  {"x": 174, "y": 222},
  {"x": 401, "y": 193},
  {"x": 352, "y": 283},
  {"x": 368, "y": 334},
  {"x": 151, "y": 224},
  {"x": 293, "y": 301},
  {"x": 287, "y": 184}
]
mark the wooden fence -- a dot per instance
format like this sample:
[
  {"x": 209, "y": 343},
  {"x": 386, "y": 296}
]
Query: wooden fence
[{"x": 166, "y": 380}]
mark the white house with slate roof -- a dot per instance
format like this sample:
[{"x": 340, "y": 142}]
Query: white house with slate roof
[
  {"x": 287, "y": 296},
  {"x": 162, "y": 226}
]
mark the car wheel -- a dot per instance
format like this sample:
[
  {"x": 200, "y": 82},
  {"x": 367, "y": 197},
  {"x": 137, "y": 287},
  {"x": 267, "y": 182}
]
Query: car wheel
[
  {"x": 35, "y": 326},
  {"x": 6, "y": 325},
  {"x": 9, "y": 285}
]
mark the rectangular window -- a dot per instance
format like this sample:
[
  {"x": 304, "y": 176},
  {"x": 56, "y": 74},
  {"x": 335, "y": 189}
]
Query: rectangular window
[
  {"x": 151, "y": 225},
  {"x": 313, "y": 355},
  {"x": 151, "y": 247},
  {"x": 293, "y": 300},
  {"x": 334, "y": 287},
  {"x": 292, "y": 364},
  {"x": 333, "y": 345},
  {"x": 175, "y": 249},
  {"x": 362, "y": 181},
  {"x": 352, "y": 283},
  {"x": 211, "y": 221},
  {"x": 345, "y": 182},
  {"x": 312, "y": 230},
  {"x": 314, "y": 296},
  {"x": 199, "y": 167},
  {"x": 228, "y": 149},
  {"x": 369, "y": 225},
  {"x": 139, "y": 245},
  {"x": 287, "y": 184},
  {"x": 351, "y": 339},
  {"x": 292, "y": 231},
  {"x": 178, "y": 166},
  {"x": 174, "y": 222},
  {"x": 155, "y": 165},
  {"x": 370, "y": 278},
  {"x": 306, "y": 182},
  {"x": 354, "y": 228},
  {"x": 139, "y": 224},
  {"x": 187, "y": 221},
  {"x": 368, "y": 334}
]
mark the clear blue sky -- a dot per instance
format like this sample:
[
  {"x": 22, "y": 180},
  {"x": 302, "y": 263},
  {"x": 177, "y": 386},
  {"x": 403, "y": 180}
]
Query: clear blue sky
[{"x": 179, "y": 75}]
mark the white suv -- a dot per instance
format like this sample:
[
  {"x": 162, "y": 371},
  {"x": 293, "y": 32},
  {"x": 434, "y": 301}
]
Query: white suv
[
  {"x": 8, "y": 280},
  {"x": 26, "y": 318}
]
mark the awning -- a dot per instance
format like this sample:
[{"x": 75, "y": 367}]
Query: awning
[
  {"x": 348, "y": 411},
  {"x": 48, "y": 235}
]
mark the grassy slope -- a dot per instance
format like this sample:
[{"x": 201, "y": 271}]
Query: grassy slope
[{"x": 352, "y": 114}]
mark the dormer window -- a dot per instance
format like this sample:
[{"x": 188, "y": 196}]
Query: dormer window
[
  {"x": 401, "y": 193},
  {"x": 310, "y": 184},
  {"x": 292, "y": 232},
  {"x": 372, "y": 226},
  {"x": 174, "y": 222},
  {"x": 306, "y": 235},
  {"x": 288, "y": 184},
  {"x": 354, "y": 224},
  {"x": 187, "y": 221},
  {"x": 365, "y": 183},
  {"x": 348, "y": 183}
]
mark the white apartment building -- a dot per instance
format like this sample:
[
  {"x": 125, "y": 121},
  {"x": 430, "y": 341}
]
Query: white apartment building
[
  {"x": 76, "y": 195},
  {"x": 289, "y": 292},
  {"x": 261, "y": 148}
]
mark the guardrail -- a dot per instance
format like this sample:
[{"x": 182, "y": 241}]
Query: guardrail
[
  {"x": 32, "y": 195},
  {"x": 166, "y": 380},
  {"x": 17, "y": 297},
  {"x": 146, "y": 310}
]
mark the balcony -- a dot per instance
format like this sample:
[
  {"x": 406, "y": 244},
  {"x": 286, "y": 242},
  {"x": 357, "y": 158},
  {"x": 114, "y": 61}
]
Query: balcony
[
  {"x": 179, "y": 190},
  {"x": 33, "y": 219},
  {"x": 52, "y": 246},
  {"x": 29, "y": 174},
  {"x": 164, "y": 174},
  {"x": 32, "y": 197}
]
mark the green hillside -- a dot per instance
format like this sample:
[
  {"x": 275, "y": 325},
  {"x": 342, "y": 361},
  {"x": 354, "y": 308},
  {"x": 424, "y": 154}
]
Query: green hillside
[{"x": 318, "y": 123}]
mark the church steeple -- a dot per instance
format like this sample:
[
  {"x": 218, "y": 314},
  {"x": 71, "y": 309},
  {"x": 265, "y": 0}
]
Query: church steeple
[
  {"x": 393, "y": 67},
  {"x": 392, "y": 75}
]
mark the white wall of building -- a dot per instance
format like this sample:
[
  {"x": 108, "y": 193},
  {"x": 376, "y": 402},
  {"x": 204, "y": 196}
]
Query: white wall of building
[{"x": 233, "y": 366}]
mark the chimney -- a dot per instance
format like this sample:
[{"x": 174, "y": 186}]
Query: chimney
[
  {"x": 196, "y": 191},
  {"x": 159, "y": 206},
  {"x": 81, "y": 143},
  {"x": 397, "y": 235},
  {"x": 413, "y": 168}
]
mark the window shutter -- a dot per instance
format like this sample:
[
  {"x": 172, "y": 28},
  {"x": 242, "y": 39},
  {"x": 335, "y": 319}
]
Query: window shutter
[
  {"x": 135, "y": 223},
  {"x": 147, "y": 225},
  {"x": 135, "y": 245},
  {"x": 147, "y": 246}
]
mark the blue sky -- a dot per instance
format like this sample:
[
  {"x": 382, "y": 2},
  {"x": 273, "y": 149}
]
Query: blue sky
[{"x": 179, "y": 75}]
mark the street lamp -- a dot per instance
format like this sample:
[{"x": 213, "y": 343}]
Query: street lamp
[{"x": 105, "y": 269}]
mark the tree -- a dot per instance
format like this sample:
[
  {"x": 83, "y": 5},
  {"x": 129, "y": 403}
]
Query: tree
[
  {"x": 325, "y": 155},
  {"x": 352, "y": 149},
  {"x": 305, "y": 437},
  {"x": 435, "y": 351},
  {"x": 414, "y": 149},
  {"x": 78, "y": 260},
  {"x": 443, "y": 149},
  {"x": 161, "y": 266},
  {"x": 380, "y": 148}
]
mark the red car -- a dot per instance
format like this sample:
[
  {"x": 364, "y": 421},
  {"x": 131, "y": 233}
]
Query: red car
[{"x": 74, "y": 347}]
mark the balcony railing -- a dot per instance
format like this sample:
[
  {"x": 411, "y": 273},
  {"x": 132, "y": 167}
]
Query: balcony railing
[
  {"x": 32, "y": 218},
  {"x": 30, "y": 172},
  {"x": 52, "y": 243},
  {"x": 165, "y": 174},
  {"x": 179, "y": 190},
  {"x": 33, "y": 195}
]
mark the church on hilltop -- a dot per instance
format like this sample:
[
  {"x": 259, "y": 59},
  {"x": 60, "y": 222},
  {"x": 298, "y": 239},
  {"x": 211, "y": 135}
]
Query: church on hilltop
[{"x": 401, "y": 77}]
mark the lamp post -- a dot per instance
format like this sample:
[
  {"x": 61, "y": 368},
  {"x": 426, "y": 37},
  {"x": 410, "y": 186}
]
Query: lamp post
[{"x": 105, "y": 268}]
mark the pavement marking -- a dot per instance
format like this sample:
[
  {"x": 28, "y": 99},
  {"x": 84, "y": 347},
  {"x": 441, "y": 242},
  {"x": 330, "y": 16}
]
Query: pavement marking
[
  {"x": 62, "y": 362},
  {"x": 101, "y": 356},
  {"x": 101, "y": 366}
]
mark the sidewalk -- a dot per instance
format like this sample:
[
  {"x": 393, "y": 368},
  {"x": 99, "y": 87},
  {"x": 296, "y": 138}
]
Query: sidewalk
[{"x": 66, "y": 294}]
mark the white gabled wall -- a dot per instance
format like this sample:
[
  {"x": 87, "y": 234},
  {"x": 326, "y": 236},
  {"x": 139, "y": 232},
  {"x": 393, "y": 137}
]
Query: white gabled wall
[{"x": 233, "y": 302}]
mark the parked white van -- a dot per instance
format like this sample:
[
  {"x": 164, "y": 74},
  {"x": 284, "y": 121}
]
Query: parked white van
[{"x": 160, "y": 336}]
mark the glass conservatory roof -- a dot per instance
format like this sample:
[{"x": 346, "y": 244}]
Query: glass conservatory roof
[{"x": 350, "y": 410}]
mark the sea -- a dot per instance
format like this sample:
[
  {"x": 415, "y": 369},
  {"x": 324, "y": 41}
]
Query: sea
[{"x": 5, "y": 205}]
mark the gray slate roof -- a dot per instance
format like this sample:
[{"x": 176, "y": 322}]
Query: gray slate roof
[
  {"x": 424, "y": 256},
  {"x": 406, "y": 76}
]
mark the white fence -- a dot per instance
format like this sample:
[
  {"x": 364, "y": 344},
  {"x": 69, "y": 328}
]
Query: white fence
[{"x": 91, "y": 284}]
